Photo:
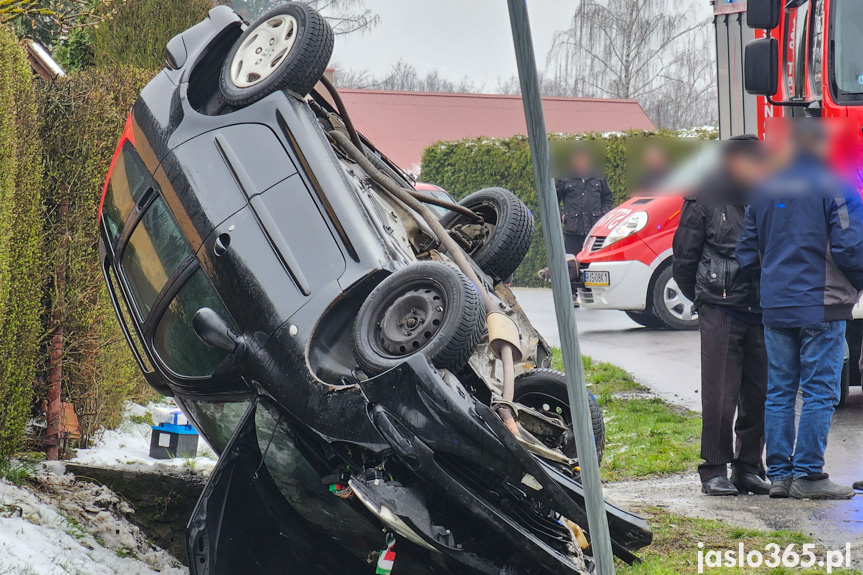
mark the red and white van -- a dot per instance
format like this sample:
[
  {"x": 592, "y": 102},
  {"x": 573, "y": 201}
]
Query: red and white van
[{"x": 626, "y": 261}]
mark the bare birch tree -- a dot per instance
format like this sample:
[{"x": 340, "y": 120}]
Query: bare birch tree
[{"x": 633, "y": 50}]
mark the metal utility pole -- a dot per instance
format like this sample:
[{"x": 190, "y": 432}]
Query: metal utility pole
[{"x": 553, "y": 236}]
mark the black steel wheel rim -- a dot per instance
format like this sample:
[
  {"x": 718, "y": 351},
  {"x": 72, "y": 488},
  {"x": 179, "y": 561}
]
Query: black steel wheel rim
[
  {"x": 554, "y": 408},
  {"x": 408, "y": 320}
]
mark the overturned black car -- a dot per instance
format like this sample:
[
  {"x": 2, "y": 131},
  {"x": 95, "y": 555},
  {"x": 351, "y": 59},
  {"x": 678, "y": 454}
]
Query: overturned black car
[{"x": 371, "y": 385}]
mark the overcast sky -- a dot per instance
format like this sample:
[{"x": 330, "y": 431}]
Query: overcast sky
[{"x": 459, "y": 37}]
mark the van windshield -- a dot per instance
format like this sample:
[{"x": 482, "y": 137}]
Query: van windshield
[{"x": 847, "y": 19}]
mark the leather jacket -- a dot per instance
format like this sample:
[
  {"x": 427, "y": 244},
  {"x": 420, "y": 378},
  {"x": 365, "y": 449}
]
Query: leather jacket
[{"x": 585, "y": 201}]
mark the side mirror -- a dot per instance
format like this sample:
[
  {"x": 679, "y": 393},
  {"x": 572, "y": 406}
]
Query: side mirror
[
  {"x": 763, "y": 14},
  {"x": 761, "y": 67},
  {"x": 214, "y": 331}
]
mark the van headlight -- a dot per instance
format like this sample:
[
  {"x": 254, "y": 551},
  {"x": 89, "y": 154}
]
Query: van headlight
[{"x": 633, "y": 223}]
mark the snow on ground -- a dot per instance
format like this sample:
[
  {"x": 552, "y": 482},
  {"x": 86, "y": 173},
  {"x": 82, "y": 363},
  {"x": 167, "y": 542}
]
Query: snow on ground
[
  {"x": 128, "y": 446},
  {"x": 55, "y": 525}
]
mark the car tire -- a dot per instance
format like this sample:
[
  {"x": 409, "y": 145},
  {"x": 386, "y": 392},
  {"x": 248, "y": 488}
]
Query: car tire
[
  {"x": 670, "y": 306},
  {"x": 645, "y": 319},
  {"x": 508, "y": 230},
  {"x": 291, "y": 60},
  {"x": 845, "y": 385},
  {"x": 538, "y": 388},
  {"x": 429, "y": 308}
]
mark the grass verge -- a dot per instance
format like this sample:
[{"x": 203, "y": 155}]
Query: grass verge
[
  {"x": 645, "y": 436},
  {"x": 675, "y": 547}
]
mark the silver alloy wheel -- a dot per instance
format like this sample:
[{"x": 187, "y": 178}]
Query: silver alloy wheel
[
  {"x": 678, "y": 304},
  {"x": 263, "y": 51}
]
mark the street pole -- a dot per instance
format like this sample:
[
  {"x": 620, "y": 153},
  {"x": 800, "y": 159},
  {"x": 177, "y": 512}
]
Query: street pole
[{"x": 600, "y": 539}]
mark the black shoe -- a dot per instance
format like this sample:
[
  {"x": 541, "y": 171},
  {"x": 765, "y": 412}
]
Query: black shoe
[
  {"x": 819, "y": 487},
  {"x": 858, "y": 485},
  {"x": 780, "y": 488},
  {"x": 749, "y": 483},
  {"x": 718, "y": 486}
]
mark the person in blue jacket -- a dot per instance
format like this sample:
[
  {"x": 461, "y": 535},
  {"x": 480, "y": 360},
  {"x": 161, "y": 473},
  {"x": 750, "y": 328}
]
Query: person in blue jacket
[{"x": 804, "y": 238}]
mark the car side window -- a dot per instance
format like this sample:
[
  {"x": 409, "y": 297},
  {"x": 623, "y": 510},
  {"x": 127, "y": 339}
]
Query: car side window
[
  {"x": 156, "y": 249},
  {"x": 127, "y": 183},
  {"x": 175, "y": 340}
]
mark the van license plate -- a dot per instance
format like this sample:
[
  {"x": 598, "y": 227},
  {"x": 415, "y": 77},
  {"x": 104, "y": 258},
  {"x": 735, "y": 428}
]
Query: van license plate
[{"x": 595, "y": 279}]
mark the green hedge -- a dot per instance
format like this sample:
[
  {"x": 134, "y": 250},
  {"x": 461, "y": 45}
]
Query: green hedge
[
  {"x": 82, "y": 118},
  {"x": 468, "y": 165},
  {"x": 137, "y": 32},
  {"x": 20, "y": 235}
]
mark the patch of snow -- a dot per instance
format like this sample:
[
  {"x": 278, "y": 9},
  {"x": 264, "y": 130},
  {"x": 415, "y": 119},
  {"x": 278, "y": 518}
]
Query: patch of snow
[
  {"x": 63, "y": 527},
  {"x": 128, "y": 446}
]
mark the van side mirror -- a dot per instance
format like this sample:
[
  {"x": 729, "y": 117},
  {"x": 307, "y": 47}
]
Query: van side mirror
[
  {"x": 763, "y": 14},
  {"x": 761, "y": 67},
  {"x": 214, "y": 331}
]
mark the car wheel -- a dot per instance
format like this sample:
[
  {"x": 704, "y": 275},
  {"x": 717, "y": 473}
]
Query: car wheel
[
  {"x": 670, "y": 306},
  {"x": 645, "y": 319},
  {"x": 545, "y": 391},
  {"x": 500, "y": 242},
  {"x": 288, "y": 48},
  {"x": 429, "y": 308}
]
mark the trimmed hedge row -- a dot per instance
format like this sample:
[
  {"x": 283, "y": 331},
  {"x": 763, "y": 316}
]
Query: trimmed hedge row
[
  {"x": 21, "y": 260},
  {"x": 82, "y": 116},
  {"x": 136, "y": 34},
  {"x": 468, "y": 165}
]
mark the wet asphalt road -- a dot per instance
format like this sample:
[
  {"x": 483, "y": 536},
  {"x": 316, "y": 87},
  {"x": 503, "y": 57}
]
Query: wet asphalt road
[{"x": 669, "y": 364}]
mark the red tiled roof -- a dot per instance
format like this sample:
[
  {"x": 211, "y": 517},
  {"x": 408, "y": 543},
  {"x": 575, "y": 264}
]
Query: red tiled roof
[{"x": 403, "y": 124}]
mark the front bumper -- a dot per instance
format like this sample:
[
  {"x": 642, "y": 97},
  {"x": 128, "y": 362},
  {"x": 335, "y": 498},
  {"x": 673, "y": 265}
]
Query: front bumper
[{"x": 629, "y": 282}]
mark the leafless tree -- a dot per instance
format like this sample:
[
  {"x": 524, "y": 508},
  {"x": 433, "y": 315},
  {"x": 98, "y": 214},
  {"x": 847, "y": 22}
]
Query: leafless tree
[
  {"x": 687, "y": 96},
  {"x": 404, "y": 77},
  {"x": 345, "y": 16},
  {"x": 642, "y": 50}
]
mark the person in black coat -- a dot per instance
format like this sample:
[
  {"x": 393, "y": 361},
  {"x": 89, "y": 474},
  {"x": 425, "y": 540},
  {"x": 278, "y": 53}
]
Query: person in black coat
[
  {"x": 733, "y": 353},
  {"x": 585, "y": 197}
]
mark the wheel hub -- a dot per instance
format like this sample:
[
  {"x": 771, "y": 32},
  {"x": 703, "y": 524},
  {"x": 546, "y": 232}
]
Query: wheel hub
[
  {"x": 262, "y": 52},
  {"x": 410, "y": 321}
]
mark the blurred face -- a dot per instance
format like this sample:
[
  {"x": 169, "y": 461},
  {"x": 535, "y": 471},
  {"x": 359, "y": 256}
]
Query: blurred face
[
  {"x": 581, "y": 162},
  {"x": 746, "y": 169},
  {"x": 654, "y": 159}
]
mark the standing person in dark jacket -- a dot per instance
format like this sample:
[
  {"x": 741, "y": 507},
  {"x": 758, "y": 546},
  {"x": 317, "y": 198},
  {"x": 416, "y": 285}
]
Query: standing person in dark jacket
[
  {"x": 804, "y": 238},
  {"x": 733, "y": 356},
  {"x": 585, "y": 197}
]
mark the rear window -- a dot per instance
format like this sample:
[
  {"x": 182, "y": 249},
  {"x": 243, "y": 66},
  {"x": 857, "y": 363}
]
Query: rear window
[
  {"x": 175, "y": 339},
  {"x": 128, "y": 181},
  {"x": 155, "y": 251}
]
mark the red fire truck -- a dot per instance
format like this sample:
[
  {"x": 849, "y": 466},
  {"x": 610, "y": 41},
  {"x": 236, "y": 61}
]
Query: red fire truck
[{"x": 775, "y": 58}]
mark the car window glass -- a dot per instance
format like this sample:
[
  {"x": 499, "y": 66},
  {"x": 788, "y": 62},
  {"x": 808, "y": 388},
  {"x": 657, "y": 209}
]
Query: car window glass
[
  {"x": 216, "y": 421},
  {"x": 847, "y": 18},
  {"x": 155, "y": 251},
  {"x": 126, "y": 185},
  {"x": 175, "y": 340},
  {"x": 124, "y": 314}
]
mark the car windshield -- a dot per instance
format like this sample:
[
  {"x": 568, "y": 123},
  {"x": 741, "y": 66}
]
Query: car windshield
[
  {"x": 848, "y": 30},
  {"x": 686, "y": 177}
]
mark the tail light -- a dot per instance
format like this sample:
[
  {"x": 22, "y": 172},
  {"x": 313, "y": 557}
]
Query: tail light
[{"x": 128, "y": 136}]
